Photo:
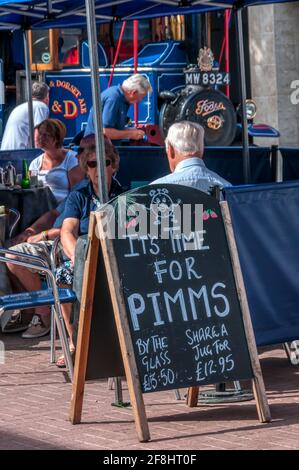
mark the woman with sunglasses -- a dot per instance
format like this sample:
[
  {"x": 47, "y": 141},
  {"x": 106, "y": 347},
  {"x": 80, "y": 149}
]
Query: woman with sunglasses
[
  {"x": 80, "y": 203},
  {"x": 76, "y": 219}
]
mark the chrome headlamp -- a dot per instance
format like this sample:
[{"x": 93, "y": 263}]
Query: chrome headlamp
[{"x": 250, "y": 109}]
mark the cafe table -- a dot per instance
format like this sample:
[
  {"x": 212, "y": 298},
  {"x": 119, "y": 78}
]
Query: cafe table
[{"x": 31, "y": 203}]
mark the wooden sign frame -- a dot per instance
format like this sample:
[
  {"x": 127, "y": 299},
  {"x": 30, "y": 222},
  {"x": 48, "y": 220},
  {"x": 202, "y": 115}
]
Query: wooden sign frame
[{"x": 124, "y": 335}]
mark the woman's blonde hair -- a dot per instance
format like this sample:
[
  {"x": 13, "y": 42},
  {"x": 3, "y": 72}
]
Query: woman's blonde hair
[
  {"x": 55, "y": 128},
  {"x": 110, "y": 152}
]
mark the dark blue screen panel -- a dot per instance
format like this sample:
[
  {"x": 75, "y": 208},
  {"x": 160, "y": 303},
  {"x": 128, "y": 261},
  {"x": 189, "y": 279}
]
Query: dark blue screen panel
[
  {"x": 144, "y": 164},
  {"x": 228, "y": 163},
  {"x": 141, "y": 165},
  {"x": 290, "y": 158},
  {"x": 266, "y": 226}
]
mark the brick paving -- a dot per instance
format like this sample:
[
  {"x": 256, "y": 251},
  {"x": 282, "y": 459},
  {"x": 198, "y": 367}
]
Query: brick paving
[{"x": 35, "y": 402}]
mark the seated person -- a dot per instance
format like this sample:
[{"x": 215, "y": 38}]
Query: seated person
[
  {"x": 37, "y": 240},
  {"x": 35, "y": 233},
  {"x": 184, "y": 150},
  {"x": 29, "y": 280},
  {"x": 57, "y": 167},
  {"x": 76, "y": 219}
]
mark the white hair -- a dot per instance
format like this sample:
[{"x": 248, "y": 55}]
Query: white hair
[
  {"x": 186, "y": 137},
  {"x": 40, "y": 90},
  {"x": 137, "y": 82}
]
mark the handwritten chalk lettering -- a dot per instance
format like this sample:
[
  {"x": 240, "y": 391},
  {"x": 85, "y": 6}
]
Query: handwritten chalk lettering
[
  {"x": 221, "y": 346},
  {"x": 187, "y": 241},
  {"x": 202, "y": 293},
  {"x": 226, "y": 363},
  {"x": 201, "y": 352},
  {"x": 173, "y": 299},
  {"x": 175, "y": 269},
  {"x": 193, "y": 241},
  {"x": 154, "y": 298},
  {"x": 224, "y": 312},
  {"x": 167, "y": 377},
  {"x": 138, "y": 305},
  {"x": 149, "y": 382},
  {"x": 205, "y": 334},
  {"x": 131, "y": 247},
  {"x": 156, "y": 361},
  {"x": 142, "y": 246},
  {"x": 152, "y": 344},
  {"x": 205, "y": 369},
  {"x": 216, "y": 348},
  {"x": 147, "y": 244},
  {"x": 200, "y": 239},
  {"x": 142, "y": 346}
]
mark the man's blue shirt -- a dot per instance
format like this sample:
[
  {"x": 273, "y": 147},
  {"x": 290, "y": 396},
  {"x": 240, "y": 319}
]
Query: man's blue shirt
[
  {"x": 193, "y": 172},
  {"x": 114, "y": 110}
]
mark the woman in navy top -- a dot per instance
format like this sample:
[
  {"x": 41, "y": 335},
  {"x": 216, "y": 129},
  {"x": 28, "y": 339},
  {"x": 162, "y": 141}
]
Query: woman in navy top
[{"x": 76, "y": 219}]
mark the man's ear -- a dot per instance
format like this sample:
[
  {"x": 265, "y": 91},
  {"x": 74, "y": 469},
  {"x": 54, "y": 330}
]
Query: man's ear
[
  {"x": 170, "y": 152},
  {"x": 133, "y": 93},
  {"x": 171, "y": 156}
]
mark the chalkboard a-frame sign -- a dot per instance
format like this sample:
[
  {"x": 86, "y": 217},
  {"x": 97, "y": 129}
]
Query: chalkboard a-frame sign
[{"x": 178, "y": 298}]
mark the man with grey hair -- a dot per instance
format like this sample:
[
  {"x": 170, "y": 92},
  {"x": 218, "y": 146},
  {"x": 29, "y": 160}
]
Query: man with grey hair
[
  {"x": 116, "y": 101},
  {"x": 184, "y": 148},
  {"x": 16, "y": 134}
]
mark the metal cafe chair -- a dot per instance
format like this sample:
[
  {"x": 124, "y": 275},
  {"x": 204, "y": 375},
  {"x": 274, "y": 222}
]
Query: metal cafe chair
[
  {"x": 55, "y": 258},
  {"x": 12, "y": 221},
  {"x": 52, "y": 296}
]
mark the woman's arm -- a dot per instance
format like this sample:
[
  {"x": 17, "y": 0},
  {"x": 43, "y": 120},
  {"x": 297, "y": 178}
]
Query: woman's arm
[
  {"x": 127, "y": 133},
  {"x": 45, "y": 235},
  {"x": 75, "y": 175},
  {"x": 69, "y": 235},
  {"x": 44, "y": 222}
]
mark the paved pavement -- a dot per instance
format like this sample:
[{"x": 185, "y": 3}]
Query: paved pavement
[{"x": 35, "y": 401}]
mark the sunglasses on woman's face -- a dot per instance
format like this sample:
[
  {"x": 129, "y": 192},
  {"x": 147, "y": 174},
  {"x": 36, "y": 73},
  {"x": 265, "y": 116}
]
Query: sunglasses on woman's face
[{"x": 94, "y": 163}]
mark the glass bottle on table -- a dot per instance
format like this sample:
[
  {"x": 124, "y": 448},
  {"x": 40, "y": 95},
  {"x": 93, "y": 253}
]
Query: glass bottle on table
[{"x": 25, "y": 183}]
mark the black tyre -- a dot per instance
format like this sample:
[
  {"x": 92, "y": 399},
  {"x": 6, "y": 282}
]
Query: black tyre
[
  {"x": 210, "y": 108},
  {"x": 213, "y": 110}
]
